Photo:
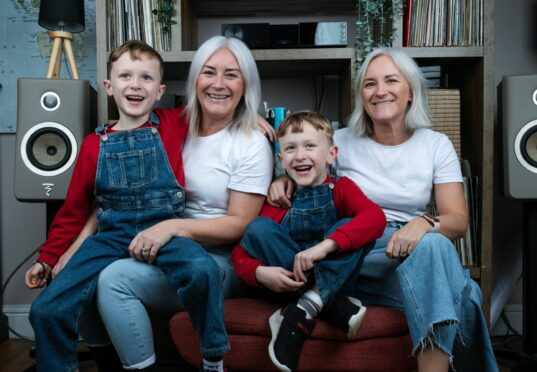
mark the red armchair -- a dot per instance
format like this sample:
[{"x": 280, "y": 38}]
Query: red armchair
[{"x": 382, "y": 343}]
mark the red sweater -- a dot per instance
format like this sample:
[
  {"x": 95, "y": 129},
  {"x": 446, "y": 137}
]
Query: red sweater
[
  {"x": 367, "y": 224},
  {"x": 78, "y": 203}
]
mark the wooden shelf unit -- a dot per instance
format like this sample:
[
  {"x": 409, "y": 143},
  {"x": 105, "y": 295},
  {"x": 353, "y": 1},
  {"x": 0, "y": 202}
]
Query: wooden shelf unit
[{"x": 469, "y": 69}]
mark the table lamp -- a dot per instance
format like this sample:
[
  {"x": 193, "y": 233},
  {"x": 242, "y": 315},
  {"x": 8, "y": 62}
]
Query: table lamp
[{"x": 62, "y": 18}]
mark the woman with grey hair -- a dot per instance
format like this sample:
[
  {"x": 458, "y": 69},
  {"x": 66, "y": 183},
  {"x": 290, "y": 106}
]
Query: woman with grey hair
[
  {"x": 388, "y": 150},
  {"x": 228, "y": 168}
]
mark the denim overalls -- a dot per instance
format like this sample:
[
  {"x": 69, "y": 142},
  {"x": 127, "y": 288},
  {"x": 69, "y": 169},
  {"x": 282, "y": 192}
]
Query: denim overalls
[
  {"x": 135, "y": 188},
  {"x": 312, "y": 217}
]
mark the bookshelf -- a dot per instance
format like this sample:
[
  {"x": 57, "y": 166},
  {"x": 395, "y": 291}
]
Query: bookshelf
[{"x": 469, "y": 69}]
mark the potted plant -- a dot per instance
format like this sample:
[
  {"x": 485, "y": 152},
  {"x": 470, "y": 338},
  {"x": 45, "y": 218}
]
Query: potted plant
[{"x": 375, "y": 20}]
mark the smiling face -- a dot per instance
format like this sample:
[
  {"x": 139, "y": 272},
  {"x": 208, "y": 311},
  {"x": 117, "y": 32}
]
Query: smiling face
[
  {"x": 135, "y": 85},
  {"x": 219, "y": 88},
  {"x": 306, "y": 155},
  {"x": 385, "y": 92}
]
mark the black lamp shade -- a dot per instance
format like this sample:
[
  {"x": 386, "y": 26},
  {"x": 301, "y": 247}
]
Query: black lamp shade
[{"x": 62, "y": 15}]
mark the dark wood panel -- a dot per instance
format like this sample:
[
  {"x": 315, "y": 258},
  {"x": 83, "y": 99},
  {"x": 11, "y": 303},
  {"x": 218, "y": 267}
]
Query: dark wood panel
[{"x": 217, "y": 8}]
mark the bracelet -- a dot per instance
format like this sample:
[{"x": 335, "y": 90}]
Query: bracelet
[
  {"x": 433, "y": 221},
  {"x": 42, "y": 265}
]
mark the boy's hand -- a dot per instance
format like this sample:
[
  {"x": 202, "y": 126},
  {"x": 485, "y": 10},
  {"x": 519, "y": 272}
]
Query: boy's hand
[
  {"x": 277, "y": 279},
  {"x": 280, "y": 192},
  {"x": 305, "y": 260},
  {"x": 36, "y": 276},
  {"x": 266, "y": 128}
]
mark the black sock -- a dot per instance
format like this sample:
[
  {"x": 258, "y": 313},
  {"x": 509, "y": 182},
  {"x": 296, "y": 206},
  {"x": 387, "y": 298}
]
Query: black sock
[{"x": 106, "y": 358}]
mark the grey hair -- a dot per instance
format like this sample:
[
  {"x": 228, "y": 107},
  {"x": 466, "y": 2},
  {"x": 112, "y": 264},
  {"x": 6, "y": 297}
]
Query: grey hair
[
  {"x": 418, "y": 112},
  {"x": 245, "y": 116}
]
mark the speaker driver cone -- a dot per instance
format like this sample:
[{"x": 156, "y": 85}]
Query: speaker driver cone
[
  {"x": 48, "y": 149},
  {"x": 529, "y": 146},
  {"x": 526, "y": 146}
]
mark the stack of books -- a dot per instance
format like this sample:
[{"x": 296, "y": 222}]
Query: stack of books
[
  {"x": 445, "y": 110},
  {"x": 134, "y": 20},
  {"x": 440, "y": 23},
  {"x": 433, "y": 75}
]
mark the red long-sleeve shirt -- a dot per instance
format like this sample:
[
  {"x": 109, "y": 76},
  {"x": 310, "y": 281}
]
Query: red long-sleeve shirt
[
  {"x": 78, "y": 203},
  {"x": 367, "y": 224}
]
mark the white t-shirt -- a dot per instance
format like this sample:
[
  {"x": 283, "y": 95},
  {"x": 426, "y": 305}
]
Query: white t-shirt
[
  {"x": 398, "y": 178},
  {"x": 222, "y": 161}
]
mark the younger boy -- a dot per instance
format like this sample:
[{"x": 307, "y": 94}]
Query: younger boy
[
  {"x": 313, "y": 247},
  {"x": 133, "y": 171}
]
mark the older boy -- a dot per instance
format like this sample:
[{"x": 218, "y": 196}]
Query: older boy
[
  {"x": 133, "y": 171},
  {"x": 313, "y": 247}
]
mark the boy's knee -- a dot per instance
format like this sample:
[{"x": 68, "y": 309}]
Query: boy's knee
[
  {"x": 258, "y": 226},
  {"x": 42, "y": 310},
  {"x": 205, "y": 270}
]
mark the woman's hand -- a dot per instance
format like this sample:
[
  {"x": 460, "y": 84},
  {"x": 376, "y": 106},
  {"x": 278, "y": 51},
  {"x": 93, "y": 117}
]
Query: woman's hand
[
  {"x": 147, "y": 243},
  {"x": 277, "y": 279},
  {"x": 305, "y": 260},
  {"x": 280, "y": 192},
  {"x": 266, "y": 128},
  {"x": 36, "y": 276},
  {"x": 404, "y": 241}
]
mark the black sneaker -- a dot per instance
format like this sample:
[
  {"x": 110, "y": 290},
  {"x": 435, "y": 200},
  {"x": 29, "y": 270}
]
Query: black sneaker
[
  {"x": 290, "y": 329},
  {"x": 347, "y": 313}
]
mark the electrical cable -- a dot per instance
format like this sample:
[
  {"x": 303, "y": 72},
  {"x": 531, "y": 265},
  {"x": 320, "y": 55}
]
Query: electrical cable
[{"x": 4, "y": 286}]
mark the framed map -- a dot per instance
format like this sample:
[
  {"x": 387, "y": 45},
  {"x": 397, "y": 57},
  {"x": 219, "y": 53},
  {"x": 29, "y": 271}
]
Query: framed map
[{"x": 25, "y": 52}]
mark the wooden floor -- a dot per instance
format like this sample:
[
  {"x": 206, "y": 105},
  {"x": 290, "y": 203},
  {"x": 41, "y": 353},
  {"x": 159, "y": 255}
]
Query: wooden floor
[{"x": 15, "y": 356}]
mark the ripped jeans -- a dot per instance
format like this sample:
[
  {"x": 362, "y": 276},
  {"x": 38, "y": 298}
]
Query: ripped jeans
[{"x": 441, "y": 302}]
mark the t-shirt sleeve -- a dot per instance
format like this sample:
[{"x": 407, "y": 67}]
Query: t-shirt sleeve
[
  {"x": 253, "y": 166},
  {"x": 446, "y": 165}
]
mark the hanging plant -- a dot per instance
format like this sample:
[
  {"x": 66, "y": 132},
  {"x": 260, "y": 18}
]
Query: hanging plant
[
  {"x": 375, "y": 20},
  {"x": 165, "y": 12}
]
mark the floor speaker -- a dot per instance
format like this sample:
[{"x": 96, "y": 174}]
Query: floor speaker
[
  {"x": 519, "y": 118},
  {"x": 52, "y": 119}
]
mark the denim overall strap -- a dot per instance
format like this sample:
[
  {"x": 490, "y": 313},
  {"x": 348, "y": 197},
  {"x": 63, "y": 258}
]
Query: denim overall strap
[{"x": 312, "y": 214}]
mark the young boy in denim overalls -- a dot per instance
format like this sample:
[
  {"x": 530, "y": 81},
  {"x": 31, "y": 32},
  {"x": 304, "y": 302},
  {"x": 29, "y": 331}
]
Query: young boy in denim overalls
[
  {"x": 132, "y": 170},
  {"x": 314, "y": 247}
]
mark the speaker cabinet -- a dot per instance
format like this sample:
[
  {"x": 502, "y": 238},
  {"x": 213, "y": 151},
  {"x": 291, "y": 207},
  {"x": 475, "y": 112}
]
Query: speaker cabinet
[
  {"x": 519, "y": 117},
  {"x": 52, "y": 119}
]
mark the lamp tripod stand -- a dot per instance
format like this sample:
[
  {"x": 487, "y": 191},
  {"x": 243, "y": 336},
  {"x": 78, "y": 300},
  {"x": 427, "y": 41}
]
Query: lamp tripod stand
[{"x": 59, "y": 38}]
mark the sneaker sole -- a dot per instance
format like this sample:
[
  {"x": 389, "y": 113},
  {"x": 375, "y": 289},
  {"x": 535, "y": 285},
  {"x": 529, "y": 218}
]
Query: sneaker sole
[
  {"x": 355, "y": 322},
  {"x": 275, "y": 322}
]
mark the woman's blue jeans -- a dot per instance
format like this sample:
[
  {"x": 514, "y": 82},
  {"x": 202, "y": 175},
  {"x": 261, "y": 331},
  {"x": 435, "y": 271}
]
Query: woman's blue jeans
[
  {"x": 128, "y": 292},
  {"x": 440, "y": 300}
]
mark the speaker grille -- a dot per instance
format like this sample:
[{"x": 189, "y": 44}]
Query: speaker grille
[{"x": 48, "y": 149}]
